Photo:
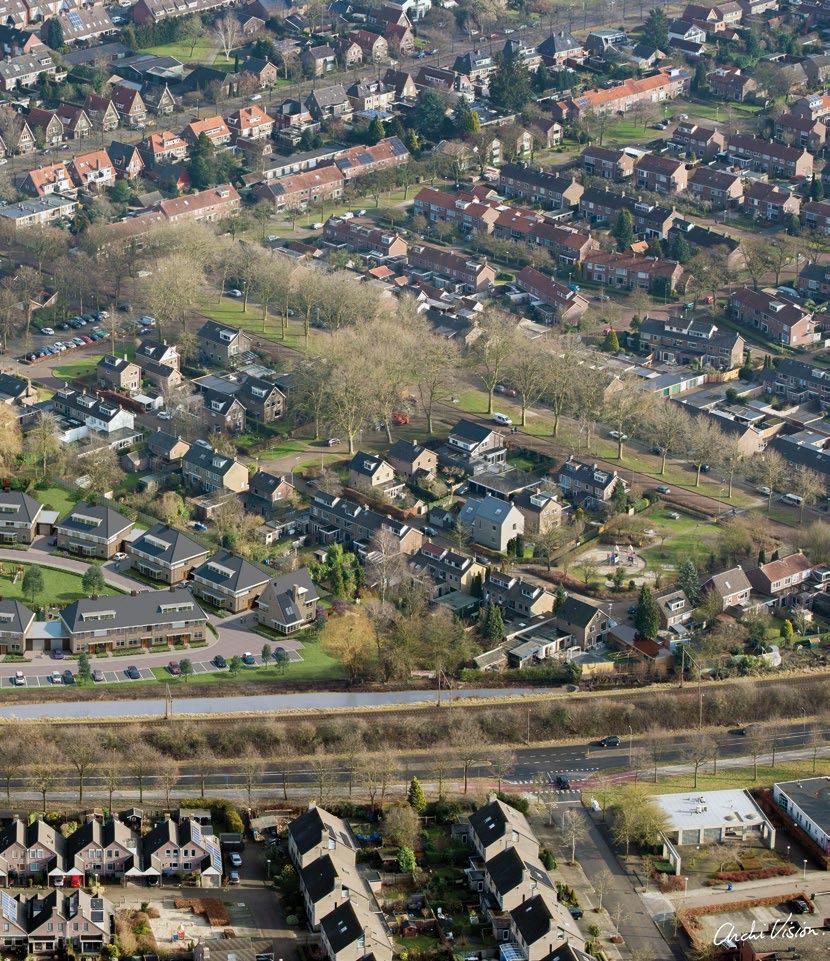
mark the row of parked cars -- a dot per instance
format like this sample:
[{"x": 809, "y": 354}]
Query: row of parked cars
[{"x": 72, "y": 343}]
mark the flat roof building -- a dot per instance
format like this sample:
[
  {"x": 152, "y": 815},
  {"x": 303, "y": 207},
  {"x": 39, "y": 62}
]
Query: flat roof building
[
  {"x": 714, "y": 817},
  {"x": 807, "y": 804}
]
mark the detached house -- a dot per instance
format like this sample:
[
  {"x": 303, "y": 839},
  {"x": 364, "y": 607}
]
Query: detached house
[
  {"x": 222, "y": 344},
  {"x": 229, "y": 582},
  {"x": 782, "y": 578},
  {"x": 412, "y": 461},
  {"x": 126, "y": 160},
  {"x": 732, "y": 587},
  {"x": 77, "y": 124},
  {"x": 330, "y": 103},
  {"x": 47, "y": 124},
  {"x": 132, "y": 111},
  {"x": 53, "y": 179},
  {"x": 475, "y": 448},
  {"x": 160, "y": 364},
  {"x": 372, "y": 471},
  {"x": 207, "y": 471},
  {"x": 251, "y": 123},
  {"x": 289, "y": 602},
  {"x": 102, "y": 112},
  {"x": 162, "y": 148},
  {"x": 587, "y": 481},
  {"x": 118, "y": 373},
  {"x": 491, "y": 522},
  {"x": 262, "y": 400},
  {"x": 585, "y": 622},
  {"x": 541, "y": 510},
  {"x": 92, "y": 531},
  {"x": 19, "y": 515},
  {"x": 214, "y": 128},
  {"x": 447, "y": 569},
  {"x": 93, "y": 171}
]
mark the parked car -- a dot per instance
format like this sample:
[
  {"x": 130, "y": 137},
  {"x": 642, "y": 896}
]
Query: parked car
[
  {"x": 119, "y": 556},
  {"x": 248, "y": 658},
  {"x": 97, "y": 676},
  {"x": 57, "y": 655},
  {"x": 47, "y": 330},
  {"x": 133, "y": 672},
  {"x": 502, "y": 419},
  {"x": 235, "y": 859},
  {"x": 19, "y": 679},
  {"x": 164, "y": 415},
  {"x": 234, "y": 292},
  {"x": 220, "y": 662},
  {"x": 617, "y": 435},
  {"x": 174, "y": 669},
  {"x": 56, "y": 677},
  {"x": 798, "y": 906},
  {"x": 68, "y": 677},
  {"x": 575, "y": 913},
  {"x": 233, "y": 877},
  {"x": 199, "y": 526}
]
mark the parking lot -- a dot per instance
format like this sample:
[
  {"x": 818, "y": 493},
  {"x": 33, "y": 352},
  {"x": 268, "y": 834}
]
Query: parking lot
[{"x": 110, "y": 677}]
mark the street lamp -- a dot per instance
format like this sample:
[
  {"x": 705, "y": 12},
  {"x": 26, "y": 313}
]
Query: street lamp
[
  {"x": 685, "y": 886},
  {"x": 805, "y": 869},
  {"x": 788, "y": 852},
  {"x": 268, "y": 869}
]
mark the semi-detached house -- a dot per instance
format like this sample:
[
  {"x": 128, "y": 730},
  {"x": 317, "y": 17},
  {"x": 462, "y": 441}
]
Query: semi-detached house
[
  {"x": 609, "y": 164},
  {"x": 474, "y": 274},
  {"x": 338, "y": 520},
  {"x": 92, "y": 530},
  {"x": 19, "y": 514},
  {"x": 207, "y": 471},
  {"x": 463, "y": 210},
  {"x": 775, "y": 159},
  {"x": 229, "y": 582},
  {"x": 775, "y": 316},
  {"x": 165, "y": 554}
]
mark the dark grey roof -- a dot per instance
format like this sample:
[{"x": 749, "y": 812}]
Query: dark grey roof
[
  {"x": 162, "y": 443},
  {"x": 532, "y": 919},
  {"x": 168, "y": 545},
  {"x": 14, "y": 616},
  {"x": 247, "y": 393},
  {"x": 11, "y": 386},
  {"x": 367, "y": 465},
  {"x": 470, "y": 431},
  {"x": 310, "y": 828},
  {"x": 319, "y": 877},
  {"x": 329, "y": 96},
  {"x": 342, "y": 927},
  {"x": 121, "y": 153},
  {"x": 231, "y": 572},
  {"x": 94, "y": 519},
  {"x": 812, "y": 795},
  {"x": 492, "y": 821},
  {"x": 218, "y": 402},
  {"x": 19, "y": 507},
  {"x": 558, "y": 43},
  {"x": 405, "y": 450},
  {"x": 127, "y": 610},
  {"x": 263, "y": 484},
  {"x": 208, "y": 459},
  {"x": 111, "y": 362},
  {"x": 97, "y": 54},
  {"x": 536, "y": 177},
  {"x": 579, "y": 612},
  {"x": 213, "y": 331},
  {"x": 280, "y": 594}
]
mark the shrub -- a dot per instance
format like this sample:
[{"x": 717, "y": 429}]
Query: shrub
[{"x": 515, "y": 801}]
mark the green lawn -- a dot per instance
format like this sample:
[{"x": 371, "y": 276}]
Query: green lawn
[
  {"x": 78, "y": 368},
  {"x": 686, "y": 537},
  {"x": 204, "y": 51},
  {"x": 56, "y": 498},
  {"x": 710, "y": 110},
  {"x": 59, "y": 587},
  {"x": 229, "y": 311}
]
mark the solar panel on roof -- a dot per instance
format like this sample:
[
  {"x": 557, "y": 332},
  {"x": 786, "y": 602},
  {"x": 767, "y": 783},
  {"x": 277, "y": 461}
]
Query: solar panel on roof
[
  {"x": 9, "y": 907},
  {"x": 74, "y": 19}
]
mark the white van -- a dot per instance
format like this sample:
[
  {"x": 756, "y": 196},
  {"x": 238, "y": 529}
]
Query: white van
[
  {"x": 502, "y": 419},
  {"x": 793, "y": 499}
]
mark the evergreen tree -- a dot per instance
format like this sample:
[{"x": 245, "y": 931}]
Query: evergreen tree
[
  {"x": 376, "y": 131},
  {"x": 494, "y": 624},
  {"x": 428, "y": 116},
  {"x": 647, "y": 617},
  {"x": 84, "y": 670},
  {"x": 519, "y": 546},
  {"x": 620, "y": 497},
  {"x": 611, "y": 344},
  {"x": 410, "y": 141},
  {"x": 415, "y": 796},
  {"x": 202, "y": 163},
  {"x": 762, "y": 557},
  {"x": 816, "y": 189},
  {"x": 54, "y": 33},
  {"x": 464, "y": 119},
  {"x": 510, "y": 86},
  {"x": 679, "y": 249},
  {"x": 394, "y": 128},
  {"x": 787, "y": 630},
  {"x": 624, "y": 230},
  {"x": 688, "y": 580},
  {"x": 775, "y": 555},
  {"x": 559, "y": 598},
  {"x": 792, "y": 224},
  {"x": 700, "y": 80},
  {"x": 656, "y": 29}
]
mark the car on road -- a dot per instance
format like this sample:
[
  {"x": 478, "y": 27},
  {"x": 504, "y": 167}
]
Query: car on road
[
  {"x": 507, "y": 391},
  {"x": 430, "y": 531},
  {"x": 617, "y": 435},
  {"x": 56, "y": 677},
  {"x": 502, "y": 419},
  {"x": 48, "y": 331},
  {"x": 235, "y": 859},
  {"x": 220, "y": 662},
  {"x": 248, "y": 658},
  {"x": 133, "y": 672},
  {"x": 662, "y": 489},
  {"x": 174, "y": 668},
  {"x": 97, "y": 676},
  {"x": 333, "y": 442},
  {"x": 119, "y": 556},
  {"x": 164, "y": 415},
  {"x": 763, "y": 490},
  {"x": 611, "y": 741},
  {"x": 57, "y": 655},
  {"x": 68, "y": 677},
  {"x": 19, "y": 679},
  {"x": 705, "y": 468},
  {"x": 233, "y": 877},
  {"x": 234, "y": 292},
  {"x": 272, "y": 238},
  {"x": 562, "y": 782}
]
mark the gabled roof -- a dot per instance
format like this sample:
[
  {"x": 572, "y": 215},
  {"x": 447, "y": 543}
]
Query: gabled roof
[
  {"x": 732, "y": 581},
  {"x": 494, "y": 820},
  {"x": 94, "y": 519},
  {"x": 470, "y": 431},
  {"x": 577, "y": 611},
  {"x": 123, "y": 611},
  {"x": 230, "y": 572},
  {"x": 788, "y": 566},
  {"x": 18, "y": 507},
  {"x": 315, "y": 826},
  {"x": 213, "y": 331},
  {"x": 168, "y": 545}
]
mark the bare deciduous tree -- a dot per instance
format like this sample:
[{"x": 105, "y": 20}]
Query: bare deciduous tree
[{"x": 228, "y": 34}]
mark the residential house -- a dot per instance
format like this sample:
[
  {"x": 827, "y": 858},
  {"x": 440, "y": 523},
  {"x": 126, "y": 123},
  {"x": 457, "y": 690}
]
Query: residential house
[
  {"x": 93, "y": 171},
  {"x": 360, "y": 161},
  {"x": 539, "y": 923},
  {"x": 298, "y": 191},
  {"x": 262, "y": 400},
  {"x": 475, "y": 448},
  {"x": 349, "y": 52},
  {"x": 517, "y": 597},
  {"x": 166, "y": 450},
  {"x": 15, "y": 626},
  {"x": 25, "y": 70},
  {"x": 14, "y": 42},
  {"x": 316, "y": 834},
  {"x": 815, "y": 215},
  {"x": 318, "y": 60},
  {"x": 731, "y": 83},
  {"x": 181, "y": 849},
  {"x": 214, "y": 128},
  {"x": 251, "y": 123},
  {"x": 561, "y": 304},
  {"x": 160, "y": 364},
  {"x": 373, "y": 472},
  {"x": 353, "y": 930},
  {"x": 208, "y": 471},
  {"x": 448, "y": 570},
  {"x": 491, "y": 522},
  {"x": 629, "y": 271},
  {"x": 375, "y": 47},
  {"x": 221, "y": 413},
  {"x": 560, "y": 47},
  {"x": 153, "y": 11},
  {"x": 584, "y": 481},
  {"x": 101, "y": 849},
  {"x": 782, "y": 578},
  {"x": 403, "y": 83},
  {"x": 799, "y": 131},
  {"x": 46, "y": 125},
  {"x": 52, "y": 179},
  {"x": 603, "y": 207},
  {"x": 674, "y": 608},
  {"x": 84, "y": 23},
  {"x": 330, "y": 103},
  {"x": 370, "y": 95},
  {"x": 682, "y": 339},
  {"x": 338, "y": 520},
  {"x": 211, "y": 204},
  {"x": 814, "y": 281},
  {"x": 587, "y": 623},
  {"x": 360, "y": 235},
  {"x": 541, "y": 510},
  {"x": 717, "y": 189},
  {"x": 497, "y": 827},
  {"x": 132, "y": 111},
  {"x": 478, "y": 65},
  {"x": 229, "y": 582},
  {"x": 37, "y": 213},
  {"x": 19, "y": 515},
  {"x": 97, "y": 415},
  {"x": 608, "y": 163},
  {"x": 551, "y": 191},
  {"x": 17, "y": 136},
  {"x": 446, "y": 81},
  {"x": 161, "y": 148},
  {"x": 546, "y": 132},
  {"x": 118, "y": 373},
  {"x": 463, "y": 210},
  {"x": 265, "y": 73},
  {"x": 731, "y": 586},
  {"x": 221, "y": 343},
  {"x": 412, "y": 461},
  {"x": 666, "y": 84},
  {"x": 775, "y": 159},
  {"x": 660, "y": 174},
  {"x": 769, "y": 203},
  {"x": 815, "y": 107},
  {"x": 102, "y": 112},
  {"x": 125, "y": 159},
  {"x": 400, "y": 40},
  {"x": 165, "y": 554},
  {"x": 701, "y": 142},
  {"x": 92, "y": 530},
  {"x": 289, "y": 602},
  {"x": 472, "y": 274},
  {"x": 267, "y": 490},
  {"x": 775, "y": 316},
  {"x": 76, "y": 123}
]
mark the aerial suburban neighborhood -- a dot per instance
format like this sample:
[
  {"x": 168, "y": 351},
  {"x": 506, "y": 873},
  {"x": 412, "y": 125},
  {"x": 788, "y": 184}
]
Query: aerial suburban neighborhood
[{"x": 414, "y": 480}]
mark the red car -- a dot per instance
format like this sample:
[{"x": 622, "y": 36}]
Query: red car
[{"x": 174, "y": 668}]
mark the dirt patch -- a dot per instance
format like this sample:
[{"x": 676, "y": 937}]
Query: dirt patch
[
  {"x": 135, "y": 933},
  {"x": 212, "y": 909}
]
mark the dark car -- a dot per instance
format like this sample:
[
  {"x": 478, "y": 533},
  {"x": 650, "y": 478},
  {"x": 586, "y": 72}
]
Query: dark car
[
  {"x": 575, "y": 912},
  {"x": 219, "y": 661},
  {"x": 562, "y": 782},
  {"x": 174, "y": 668},
  {"x": 611, "y": 741},
  {"x": 248, "y": 658},
  {"x": 68, "y": 677},
  {"x": 57, "y": 655},
  {"x": 98, "y": 676},
  {"x": 133, "y": 673},
  {"x": 798, "y": 906}
]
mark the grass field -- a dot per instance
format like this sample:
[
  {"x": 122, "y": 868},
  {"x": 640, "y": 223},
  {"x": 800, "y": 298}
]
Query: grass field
[
  {"x": 204, "y": 51},
  {"x": 59, "y": 587},
  {"x": 677, "y": 540},
  {"x": 56, "y": 498},
  {"x": 78, "y": 368},
  {"x": 229, "y": 311},
  {"x": 716, "y": 111}
]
